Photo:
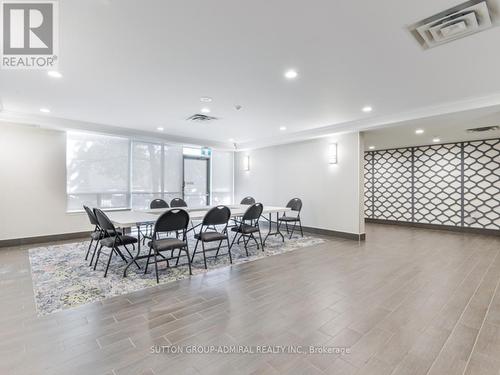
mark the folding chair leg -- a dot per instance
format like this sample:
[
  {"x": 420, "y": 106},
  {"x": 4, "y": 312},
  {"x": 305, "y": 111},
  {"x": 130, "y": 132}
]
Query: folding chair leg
[
  {"x": 179, "y": 257},
  {"x": 218, "y": 248},
  {"x": 131, "y": 256},
  {"x": 245, "y": 244},
  {"x": 156, "y": 269},
  {"x": 120, "y": 254},
  {"x": 204, "y": 256},
  {"x": 88, "y": 250},
  {"x": 287, "y": 230},
  {"x": 189, "y": 262},
  {"x": 94, "y": 253},
  {"x": 97, "y": 259},
  {"x": 293, "y": 229},
  {"x": 255, "y": 240},
  {"x": 147, "y": 261},
  {"x": 261, "y": 243},
  {"x": 229, "y": 251},
  {"x": 194, "y": 252},
  {"x": 301, "y": 233},
  {"x": 109, "y": 261},
  {"x": 234, "y": 238}
]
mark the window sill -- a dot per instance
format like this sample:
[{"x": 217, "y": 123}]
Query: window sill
[{"x": 76, "y": 212}]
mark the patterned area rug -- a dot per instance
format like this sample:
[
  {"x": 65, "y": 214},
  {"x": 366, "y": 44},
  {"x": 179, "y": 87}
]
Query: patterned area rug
[{"x": 62, "y": 278}]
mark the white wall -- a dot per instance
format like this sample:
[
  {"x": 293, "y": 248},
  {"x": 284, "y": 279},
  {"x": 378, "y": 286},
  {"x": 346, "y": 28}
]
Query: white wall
[
  {"x": 33, "y": 184},
  {"x": 331, "y": 194}
]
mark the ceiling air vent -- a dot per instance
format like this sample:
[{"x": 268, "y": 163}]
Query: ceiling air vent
[
  {"x": 454, "y": 23},
  {"x": 201, "y": 118},
  {"x": 483, "y": 129}
]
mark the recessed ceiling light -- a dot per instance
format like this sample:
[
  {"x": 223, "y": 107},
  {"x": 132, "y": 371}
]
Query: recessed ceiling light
[
  {"x": 54, "y": 74},
  {"x": 282, "y": 127},
  {"x": 419, "y": 131},
  {"x": 231, "y": 140},
  {"x": 159, "y": 128},
  {"x": 436, "y": 140},
  {"x": 367, "y": 109},
  {"x": 206, "y": 99},
  {"x": 44, "y": 110},
  {"x": 205, "y": 110},
  {"x": 371, "y": 147},
  {"x": 291, "y": 74}
]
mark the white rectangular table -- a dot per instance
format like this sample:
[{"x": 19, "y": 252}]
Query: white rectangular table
[{"x": 129, "y": 219}]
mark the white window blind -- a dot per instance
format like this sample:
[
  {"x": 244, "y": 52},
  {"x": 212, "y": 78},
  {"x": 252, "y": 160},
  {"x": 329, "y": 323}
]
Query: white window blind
[
  {"x": 114, "y": 172},
  {"x": 173, "y": 172},
  {"x": 146, "y": 173},
  {"x": 222, "y": 177},
  {"x": 97, "y": 170}
]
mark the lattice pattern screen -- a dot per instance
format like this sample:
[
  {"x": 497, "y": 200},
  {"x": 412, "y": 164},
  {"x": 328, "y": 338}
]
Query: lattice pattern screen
[
  {"x": 451, "y": 184},
  {"x": 437, "y": 186},
  {"x": 482, "y": 184},
  {"x": 392, "y": 184}
]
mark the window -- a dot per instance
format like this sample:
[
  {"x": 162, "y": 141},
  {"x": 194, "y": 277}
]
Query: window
[
  {"x": 97, "y": 171},
  {"x": 222, "y": 177},
  {"x": 119, "y": 173},
  {"x": 146, "y": 173},
  {"x": 172, "y": 183}
]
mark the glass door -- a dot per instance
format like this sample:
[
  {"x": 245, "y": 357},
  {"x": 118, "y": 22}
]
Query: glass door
[{"x": 196, "y": 181}]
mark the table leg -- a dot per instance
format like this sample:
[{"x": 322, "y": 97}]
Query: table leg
[
  {"x": 134, "y": 259},
  {"x": 278, "y": 227},
  {"x": 270, "y": 228}
]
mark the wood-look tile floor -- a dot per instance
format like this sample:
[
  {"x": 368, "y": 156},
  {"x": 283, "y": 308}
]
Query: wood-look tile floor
[{"x": 406, "y": 301}]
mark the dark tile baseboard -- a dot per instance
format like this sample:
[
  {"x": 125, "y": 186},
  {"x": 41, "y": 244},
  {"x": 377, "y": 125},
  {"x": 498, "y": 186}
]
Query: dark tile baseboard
[
  {"x": 334, "y": 233},
  {"x": 84, "y": 235},
  {"x": 43, "y": 239},
  {"x": 492, "y": 232}
]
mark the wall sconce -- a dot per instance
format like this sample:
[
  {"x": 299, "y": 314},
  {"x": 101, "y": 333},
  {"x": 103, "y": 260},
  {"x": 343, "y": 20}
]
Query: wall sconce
[
  {"x": 246, "y": 163},
  {"x": 332, "y": 153}
]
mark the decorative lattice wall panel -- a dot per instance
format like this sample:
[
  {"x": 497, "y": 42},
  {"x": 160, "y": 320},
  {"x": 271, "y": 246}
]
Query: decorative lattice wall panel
[
  {"x": 392, "y": 184},
  {"x": 482, "y": 184},
  {"x": 437, "y": 184},
  {"x": 450, "y": 184}
]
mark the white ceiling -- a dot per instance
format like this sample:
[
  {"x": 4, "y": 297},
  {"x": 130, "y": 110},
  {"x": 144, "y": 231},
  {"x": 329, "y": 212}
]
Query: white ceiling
[
  {"x": 448, "y": 128},
  {"x": 138, "y": 65}
]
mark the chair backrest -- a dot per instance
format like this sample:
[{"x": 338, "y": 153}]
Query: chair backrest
[
  {"x": 217, "y": 216},
  {"x": 91, "y": 215},
  {"x": 178, "y": 202},
  {"x": 247, "y": 200},
  {"x": 171, "y": 221},
  {"x": 253, "y": 212},
  {"x": 295, "y": 204},
  {"x": 158, "y": 203},
  {"x": 104, "y": 221}
]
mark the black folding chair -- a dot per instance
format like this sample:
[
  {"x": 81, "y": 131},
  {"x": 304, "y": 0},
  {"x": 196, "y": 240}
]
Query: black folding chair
[
  {"x": 158, "y": 203},
  {"x": 249, "y": 225},
  {"x": 113, "y": 241},
  {"x": 148, "y": 232},
  {"x": 170, "y": 221},
  {"x": 248, "y": 200},
  {"x": 296, "y": 206},
  {"x": 97, "y": 235},
  {"x": 178, "y": 202},
  {"x": 216, "y": 216}
]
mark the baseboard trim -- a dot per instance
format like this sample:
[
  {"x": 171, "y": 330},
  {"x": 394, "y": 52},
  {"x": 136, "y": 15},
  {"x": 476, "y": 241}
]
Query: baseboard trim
[
  {"x": 334, "y": 233},
  {"x": 491, "y": 232},
  {"x": 43, "y": 239},
  {"x": 81, "y": 235}
]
